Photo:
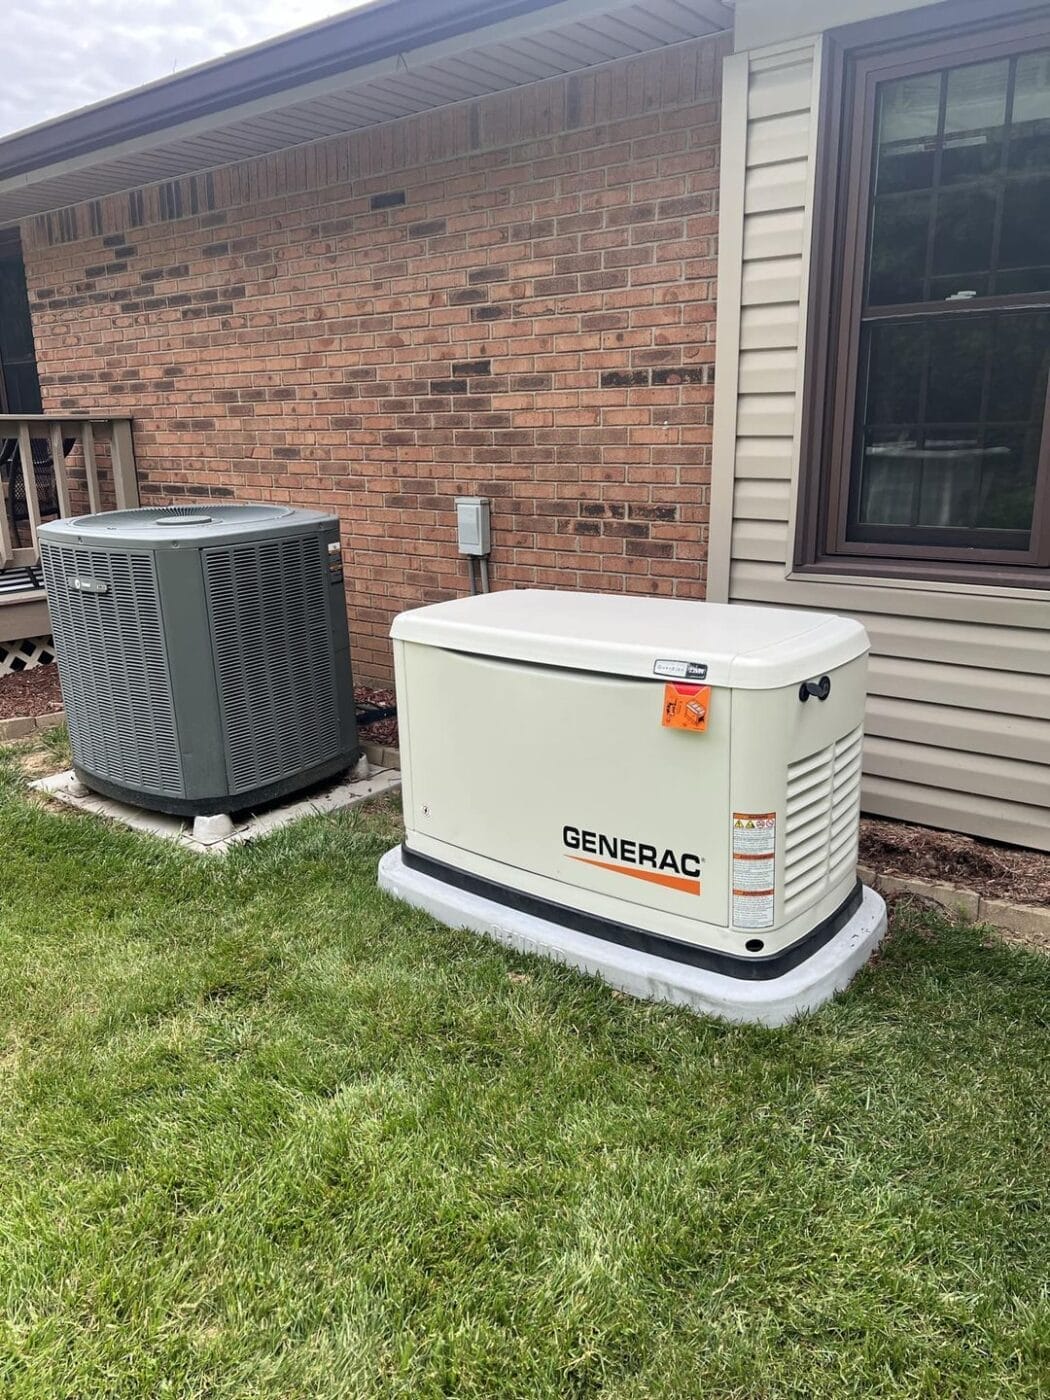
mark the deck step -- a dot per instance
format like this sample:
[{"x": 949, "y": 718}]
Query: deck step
[{"x": 24, "y": 580}]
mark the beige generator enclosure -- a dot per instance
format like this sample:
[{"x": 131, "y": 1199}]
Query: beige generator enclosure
[{"x": 677, "y": 778}]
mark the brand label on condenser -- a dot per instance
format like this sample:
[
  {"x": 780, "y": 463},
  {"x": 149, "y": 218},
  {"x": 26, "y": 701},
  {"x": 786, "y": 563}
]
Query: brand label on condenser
[
  {"x": 621, "y": 855},
  {"x": 681, "y": 670}
]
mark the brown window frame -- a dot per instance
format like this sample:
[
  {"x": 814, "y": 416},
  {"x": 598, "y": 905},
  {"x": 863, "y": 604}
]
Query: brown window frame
[{"x": 855, "y": 59}]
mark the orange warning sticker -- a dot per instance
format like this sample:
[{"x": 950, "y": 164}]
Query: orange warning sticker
[{"x": 686, "y": 707}]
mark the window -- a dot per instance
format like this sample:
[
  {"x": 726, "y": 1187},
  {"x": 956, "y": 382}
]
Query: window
[
  {"x": 931, "y": 440},
  {"x": 19, "y": 385}
]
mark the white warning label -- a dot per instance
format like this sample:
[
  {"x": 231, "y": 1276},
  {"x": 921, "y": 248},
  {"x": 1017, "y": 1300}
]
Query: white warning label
[{"x": 754, "y": 864}]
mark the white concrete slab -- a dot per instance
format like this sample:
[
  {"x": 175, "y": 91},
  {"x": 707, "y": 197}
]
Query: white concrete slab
[
  {"x": 770, "y": 1003},
  {"x": 214, "y": 836}
]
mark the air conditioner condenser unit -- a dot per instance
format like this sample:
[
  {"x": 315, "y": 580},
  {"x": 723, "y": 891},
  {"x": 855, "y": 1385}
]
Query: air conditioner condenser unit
[
  {"x": 203, "y": 652},
  {"x": 664, "y": 793}
]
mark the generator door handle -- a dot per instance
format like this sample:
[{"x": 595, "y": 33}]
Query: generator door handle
[{"x": 821, "y": 689}]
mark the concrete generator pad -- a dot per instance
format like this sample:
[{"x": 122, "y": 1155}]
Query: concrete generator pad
[
  {"x": 216, "y": 835},
  {"x": 771, "y": 1003}
]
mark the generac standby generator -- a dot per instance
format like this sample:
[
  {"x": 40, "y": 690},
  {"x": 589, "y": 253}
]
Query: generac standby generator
[
  {"x": 203, "y": 652},
  {"x": 666, "y": 793}
]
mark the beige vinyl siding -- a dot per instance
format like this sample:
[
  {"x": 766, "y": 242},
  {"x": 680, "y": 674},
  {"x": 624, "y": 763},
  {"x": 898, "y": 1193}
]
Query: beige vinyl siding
[
  {"x": 958, "y": 725},
  {"x": 761, "y": 22}
]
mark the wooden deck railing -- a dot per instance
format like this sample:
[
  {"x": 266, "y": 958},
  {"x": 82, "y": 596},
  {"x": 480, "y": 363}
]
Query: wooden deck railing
[{"x": 52, "y": 466}]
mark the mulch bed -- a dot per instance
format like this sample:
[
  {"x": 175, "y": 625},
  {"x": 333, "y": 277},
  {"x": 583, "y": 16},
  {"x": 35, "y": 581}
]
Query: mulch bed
[
  {"x": 36, "y": 692},
  {"x": 33, "y": 692},
  {"x": 384, "y": 731},
  {"x": 917, "y": 852}
]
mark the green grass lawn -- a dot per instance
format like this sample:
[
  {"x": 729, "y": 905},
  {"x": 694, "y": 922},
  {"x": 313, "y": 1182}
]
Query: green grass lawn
[{"x": 267, "y": 1133}]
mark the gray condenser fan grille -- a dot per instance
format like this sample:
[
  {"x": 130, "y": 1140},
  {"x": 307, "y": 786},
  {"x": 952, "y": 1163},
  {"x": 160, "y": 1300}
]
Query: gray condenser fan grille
[
  {"x": 113, "y": 664},
  {"x": 271, "y": 638}
]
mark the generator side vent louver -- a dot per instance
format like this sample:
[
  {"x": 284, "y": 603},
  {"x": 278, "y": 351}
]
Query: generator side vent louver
[
  {"x": 106, "y": 621},
  {"x": 268, "y": 603},
  {"x": 823, "y": 804}
]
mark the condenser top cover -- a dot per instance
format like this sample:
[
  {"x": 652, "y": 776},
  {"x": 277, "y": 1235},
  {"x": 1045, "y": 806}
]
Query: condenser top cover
[
  {"x": 161, "y": 527},
  {"x": 674, "y": 639}
]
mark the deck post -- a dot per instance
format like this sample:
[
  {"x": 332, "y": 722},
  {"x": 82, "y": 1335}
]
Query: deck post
[
  {"x": 28, "y": 470},
  {"x": 6, "y": 546},
  {"x": 87, "y": 448},
  {"x": 122, "y": 461}
]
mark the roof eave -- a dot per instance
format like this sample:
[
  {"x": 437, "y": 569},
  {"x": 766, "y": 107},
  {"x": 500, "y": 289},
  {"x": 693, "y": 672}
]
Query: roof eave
[{"x": 364, "y": 36}]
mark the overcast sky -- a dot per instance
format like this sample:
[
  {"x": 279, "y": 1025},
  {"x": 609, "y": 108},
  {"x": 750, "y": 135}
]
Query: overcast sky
[{"x": 63, "y": 54}]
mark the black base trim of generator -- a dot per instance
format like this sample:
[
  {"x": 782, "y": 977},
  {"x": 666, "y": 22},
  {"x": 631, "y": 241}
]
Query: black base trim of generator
[
  {"x": 747, "y": 969},
  {"x": 228, "y": 802}
]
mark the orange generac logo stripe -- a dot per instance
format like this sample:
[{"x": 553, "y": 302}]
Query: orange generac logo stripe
[{"x": 671, "y": 882}]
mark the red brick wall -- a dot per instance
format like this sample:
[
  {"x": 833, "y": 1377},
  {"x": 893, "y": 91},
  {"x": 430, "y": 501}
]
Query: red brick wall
[{"x": 512, "y": 297}]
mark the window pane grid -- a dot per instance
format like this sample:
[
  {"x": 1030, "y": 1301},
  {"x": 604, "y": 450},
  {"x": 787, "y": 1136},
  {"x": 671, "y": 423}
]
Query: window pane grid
[
  {"x": 956, "y": 207},
  {"x": 938, "y": 167},
  {"x": 949, "y": 429},
  {"x": 997, "y": 228}
]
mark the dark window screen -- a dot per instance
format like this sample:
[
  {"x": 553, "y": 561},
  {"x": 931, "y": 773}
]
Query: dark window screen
[{"x": 18, "y": 373}]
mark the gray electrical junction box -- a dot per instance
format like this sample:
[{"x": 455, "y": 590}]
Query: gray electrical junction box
[{"x": 472, "y": 525}]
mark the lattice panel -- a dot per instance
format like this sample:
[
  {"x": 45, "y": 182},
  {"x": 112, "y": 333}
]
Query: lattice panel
[{"x": 26, "y": 654}]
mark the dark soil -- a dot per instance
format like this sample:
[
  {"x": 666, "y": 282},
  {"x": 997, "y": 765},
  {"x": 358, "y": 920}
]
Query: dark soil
[
  {"x": 918, "y": 852},
  {"x": 384, "y": 731},
  {"x": 33, "y": 692}
]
